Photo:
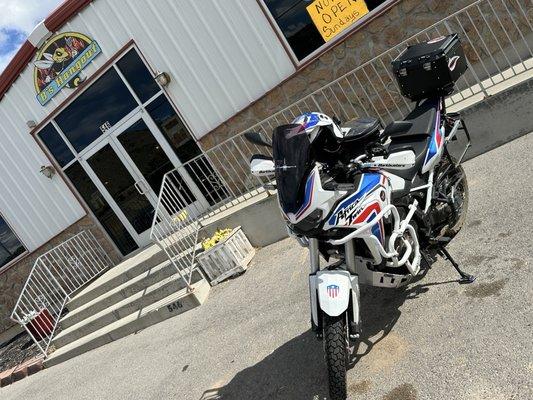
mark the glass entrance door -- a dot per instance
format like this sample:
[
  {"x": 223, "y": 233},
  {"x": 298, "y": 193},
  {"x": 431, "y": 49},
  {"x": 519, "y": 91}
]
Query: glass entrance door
[
  {"x": 124, "y": 188},
  {"x": 128, "y": 166}
]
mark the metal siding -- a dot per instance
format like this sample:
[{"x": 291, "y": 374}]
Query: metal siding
[
  {"x": 221, "y": 57},
  {"x": 36, "y": 207}
]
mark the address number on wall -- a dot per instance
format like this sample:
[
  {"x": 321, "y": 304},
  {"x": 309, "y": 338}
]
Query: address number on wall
[{"x": 105, "y": 126}]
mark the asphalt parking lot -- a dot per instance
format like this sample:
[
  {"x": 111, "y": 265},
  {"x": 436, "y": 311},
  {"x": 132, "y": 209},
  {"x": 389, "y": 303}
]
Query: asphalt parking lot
[{"x": 435, "y": 339}]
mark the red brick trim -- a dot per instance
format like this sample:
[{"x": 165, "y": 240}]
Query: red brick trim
[{"x": 21, "y": 371}]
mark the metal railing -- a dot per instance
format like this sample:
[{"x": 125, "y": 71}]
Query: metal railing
[
  {"x": 55, "y": 276},
  {"x": 175, "y": 226},
  {"x": 497, "y": 37}
]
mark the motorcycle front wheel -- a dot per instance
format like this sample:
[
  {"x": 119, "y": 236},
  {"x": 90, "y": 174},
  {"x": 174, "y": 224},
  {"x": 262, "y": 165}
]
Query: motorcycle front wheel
[{"x": 336, "y": 348}]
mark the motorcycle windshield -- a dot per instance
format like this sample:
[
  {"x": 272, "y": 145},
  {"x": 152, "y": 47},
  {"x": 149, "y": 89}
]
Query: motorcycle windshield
[{"x": 293, "y": 160}]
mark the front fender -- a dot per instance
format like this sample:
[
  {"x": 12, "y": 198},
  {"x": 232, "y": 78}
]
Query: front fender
[{"x": 334, "y": 290}]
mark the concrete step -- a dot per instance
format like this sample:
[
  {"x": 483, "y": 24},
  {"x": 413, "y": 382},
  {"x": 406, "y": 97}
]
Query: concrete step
[
  {"x": 123, "y": 272},
  {"x": 170, "y": 306},
  {"x": 117, "y": 294},
  {"x": 134, "y": 303}
]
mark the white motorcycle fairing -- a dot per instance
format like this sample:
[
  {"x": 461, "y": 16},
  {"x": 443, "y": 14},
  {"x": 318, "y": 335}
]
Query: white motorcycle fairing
[
  {"x": 315, "y": 198},
  {"x": 331, "y": 290}
]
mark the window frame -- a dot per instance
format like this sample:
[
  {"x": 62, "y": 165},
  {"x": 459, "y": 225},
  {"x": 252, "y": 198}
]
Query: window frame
[
  {"x": 299, "y": 64},
  {"x": 9, "y": 264}
]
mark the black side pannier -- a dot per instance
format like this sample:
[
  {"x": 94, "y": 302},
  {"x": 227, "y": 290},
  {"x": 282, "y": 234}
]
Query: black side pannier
[{"x": 431, "y": 68}]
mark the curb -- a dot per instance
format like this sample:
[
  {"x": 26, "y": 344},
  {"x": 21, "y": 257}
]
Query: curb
[{"x": 21, "y": 371}]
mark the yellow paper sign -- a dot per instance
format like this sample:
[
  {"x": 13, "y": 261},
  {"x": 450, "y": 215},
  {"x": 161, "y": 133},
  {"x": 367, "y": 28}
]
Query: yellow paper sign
[{"x": 331, "y": 17}]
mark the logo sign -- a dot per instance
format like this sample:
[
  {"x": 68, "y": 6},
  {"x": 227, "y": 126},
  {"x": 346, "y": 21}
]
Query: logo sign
[
  {"x": 331, "y": 17},
  {"x": 452, "y": 63},
  {"x": 333, "y": 291},
  {"x": 60, "y": 63}
]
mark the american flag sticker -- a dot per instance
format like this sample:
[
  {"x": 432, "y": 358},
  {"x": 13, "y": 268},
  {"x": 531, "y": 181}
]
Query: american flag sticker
[{"x": 333, "y": 291}]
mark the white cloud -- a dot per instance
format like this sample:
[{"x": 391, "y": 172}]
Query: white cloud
[
  {"x": 23, "y": 15},
  {"x": 20, "y": 16}
]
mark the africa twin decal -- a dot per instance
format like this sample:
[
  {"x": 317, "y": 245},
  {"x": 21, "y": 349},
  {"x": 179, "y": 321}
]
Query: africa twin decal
[{"x": 348, "y": 210}]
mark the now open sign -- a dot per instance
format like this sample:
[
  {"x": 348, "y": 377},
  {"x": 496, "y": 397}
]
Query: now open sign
[{"x": 331, "y": 17}]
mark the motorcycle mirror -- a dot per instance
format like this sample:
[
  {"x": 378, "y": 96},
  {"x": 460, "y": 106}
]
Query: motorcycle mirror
[{"x": 256, "y": 138}]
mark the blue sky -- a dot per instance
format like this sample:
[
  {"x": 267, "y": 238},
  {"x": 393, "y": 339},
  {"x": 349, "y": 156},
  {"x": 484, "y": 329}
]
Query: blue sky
[{"x": 17, "y": 20}]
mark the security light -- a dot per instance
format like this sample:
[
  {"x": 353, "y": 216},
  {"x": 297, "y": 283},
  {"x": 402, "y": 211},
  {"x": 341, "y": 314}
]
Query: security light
[
  {"x": 48, "y": 171},
  {"x": 163, "y": 78}
]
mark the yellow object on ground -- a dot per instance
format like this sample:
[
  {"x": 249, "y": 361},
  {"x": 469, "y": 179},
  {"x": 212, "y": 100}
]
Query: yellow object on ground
[{"x": 219, "y": 236}]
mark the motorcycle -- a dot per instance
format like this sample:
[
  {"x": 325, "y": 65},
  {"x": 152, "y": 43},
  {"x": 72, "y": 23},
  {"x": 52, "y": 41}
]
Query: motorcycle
[{"x": 373, "y": 202}]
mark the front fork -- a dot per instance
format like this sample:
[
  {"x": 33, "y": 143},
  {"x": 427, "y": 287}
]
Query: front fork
[{"x": 334, "y": 291}]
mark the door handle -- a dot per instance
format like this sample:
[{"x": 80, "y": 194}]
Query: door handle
[{"x": 138, "y": 187}]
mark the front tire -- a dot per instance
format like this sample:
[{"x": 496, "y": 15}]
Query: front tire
[{"x": 335, "y": 346}]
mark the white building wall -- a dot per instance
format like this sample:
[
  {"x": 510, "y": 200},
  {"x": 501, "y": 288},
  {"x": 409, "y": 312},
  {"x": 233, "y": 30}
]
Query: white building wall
[
  {"x": 221, "y": 55},
  {"x": 37, "y": 208}
]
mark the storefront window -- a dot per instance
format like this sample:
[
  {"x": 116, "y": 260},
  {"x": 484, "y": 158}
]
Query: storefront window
[
  {"x": 138, "y": 76},
  {"x": 10, "y": 245},
  {"x": 309, "y": 24},
  {"x": 100, "y": 208},
  {"x": 56, "y": 145},
  {"x": 173, "y": 128},
  {"x": 186, "y": 149},
  {"x": 105, "y": 103}
]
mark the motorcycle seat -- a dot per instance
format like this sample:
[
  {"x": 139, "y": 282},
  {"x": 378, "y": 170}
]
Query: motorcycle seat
[
  {"x": 420, "y": 121},
  {"x": 419, "y": 145},
  {"x": 362, "y": 129}
]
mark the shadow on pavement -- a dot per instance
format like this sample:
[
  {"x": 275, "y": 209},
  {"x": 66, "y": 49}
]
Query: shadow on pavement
[
  {"x": 296, "y": 370},
  {"x": 293, "y": 371},
  {"x": 380, "y": 310}
]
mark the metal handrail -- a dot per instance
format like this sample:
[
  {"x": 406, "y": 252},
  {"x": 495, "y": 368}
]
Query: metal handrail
[
  {"x": 370, "y": 89},
  {"x": 222, "y": 172},
  {"x": 55, "y": 276},
  {"x": 441, "y": 27}
]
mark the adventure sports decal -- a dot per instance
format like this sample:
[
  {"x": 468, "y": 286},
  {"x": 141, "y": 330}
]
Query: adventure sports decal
[
  {"x": 349, "y": 209},
  {"x": 60, "y": 61}
]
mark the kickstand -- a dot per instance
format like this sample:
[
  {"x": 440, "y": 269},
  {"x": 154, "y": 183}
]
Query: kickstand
[
  {"x": 426, "y": 260},
  {"x": 465, "y": 278}
]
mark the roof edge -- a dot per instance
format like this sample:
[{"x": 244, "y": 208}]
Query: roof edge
[{"x": 64, "y": 13}]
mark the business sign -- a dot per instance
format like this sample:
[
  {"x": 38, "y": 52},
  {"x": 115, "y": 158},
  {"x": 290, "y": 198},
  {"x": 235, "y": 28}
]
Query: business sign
[
  {"x": 331, "y": 17},
  {"x": 60, "y": 63}
]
